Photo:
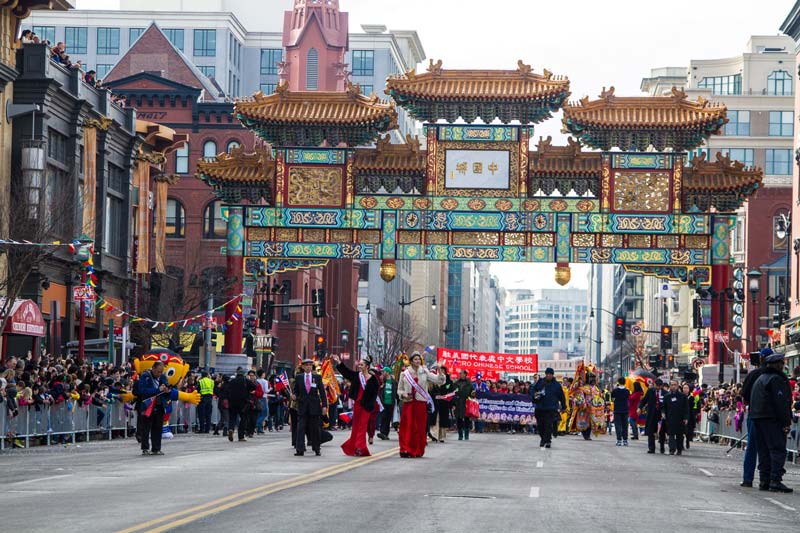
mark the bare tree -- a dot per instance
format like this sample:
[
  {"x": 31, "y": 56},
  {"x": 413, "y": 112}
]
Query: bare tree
[
  {"x": 385, "y": 339},
  {"x": 36, "y": 212}
]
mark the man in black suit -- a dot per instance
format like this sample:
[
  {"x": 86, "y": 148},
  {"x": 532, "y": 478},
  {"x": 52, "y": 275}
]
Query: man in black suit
[
  {"x": 675, "y": 412},
  {"x": 312, "y": 403},
  {"x": 651, "y": 405}
]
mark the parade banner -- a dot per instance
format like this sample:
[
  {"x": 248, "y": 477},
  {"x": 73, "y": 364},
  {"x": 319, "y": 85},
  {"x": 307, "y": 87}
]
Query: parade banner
[
  {"x": 502, "y": 408},
  {"x": 489, "y": 365}
]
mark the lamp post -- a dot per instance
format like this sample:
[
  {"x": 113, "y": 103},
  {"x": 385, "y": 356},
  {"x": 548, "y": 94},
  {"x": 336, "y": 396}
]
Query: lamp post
[
  {"x": 753, "y": 284},
  {"x": 360, "y": 344},
  {"x": 369, "y": 321},
  {"x": 783, "y": 228},
  {"x": 403, "y": 304},
  {"x": 345, "y": 337},
  {"x": 84, "y": 254}
]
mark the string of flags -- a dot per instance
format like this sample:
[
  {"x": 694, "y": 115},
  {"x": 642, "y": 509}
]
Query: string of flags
[
  {"x": 106, "y": 306},
  {"x": 12, "y": 242}
]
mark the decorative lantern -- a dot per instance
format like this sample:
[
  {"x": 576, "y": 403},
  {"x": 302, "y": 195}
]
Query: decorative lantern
[
  {"x": 388, "y": 270},
  {"x": 563, "y": 273}
]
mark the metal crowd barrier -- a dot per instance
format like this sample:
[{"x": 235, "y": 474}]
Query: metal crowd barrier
[
  {"x": 725, "y": 431},
  {"x": 69, "y": 423}
]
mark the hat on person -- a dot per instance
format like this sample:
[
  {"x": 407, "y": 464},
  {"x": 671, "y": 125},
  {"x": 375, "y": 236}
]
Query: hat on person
[
  {"x": 549, "y": 370},
  {"x": 387, "y": 369},
  {"x": 307, "y": 360},
  {"x": 774, "y": 357}
]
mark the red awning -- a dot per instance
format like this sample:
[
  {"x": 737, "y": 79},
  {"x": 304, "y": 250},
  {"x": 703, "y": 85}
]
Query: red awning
[{"x": 26, "y": 319}]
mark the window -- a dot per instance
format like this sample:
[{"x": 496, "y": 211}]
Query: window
[
  {"x": 108, "y": 41},
  {"x": 232, "y": 145},
  {"x": 54, "y": 194},
  {"x": 205, "y": 43},
  {"x": 210, "y": 150},
  {"x": 208, "y": 72},
  {"x": 722, "y": 84},
  {"x": 175, "y": 36},
  {"x": 46, "y": 33},
  {"x": 175, "y": 218},
  {"x": 214, "y": 226},
  {"x": 268, "y": 88},
  {"x": 312, "y": 70},
  {"x": 698, "y": 151},
  {"x": 57, "y": 147},
  {"x": 781, "y": 123},
  {"x": 363, "y": 62},
  {"x": 779, "y": 83},
  {"x": 102, "y": 69},
  {"x": 270, "y": 57},
  {"x": 182, "y": 159},
  {"x": 778, "y": 162},
  {"x": 115, "y": 237},
  {"x": 286, "y": 296},
  {"x": 134, "y": 33},
  {"x": 117, "y": 179},
  {"x": 738, "y": 236},
  {"x": 738, "y": 123},
  {"x": 75, "y": 39},
  {"x": 367, "y": 90},
  {"x": 745, "y": 155}
]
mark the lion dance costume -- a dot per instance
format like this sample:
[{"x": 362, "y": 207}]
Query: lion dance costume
[
  {"x": 175, "y": 369},
  {"x": 587, "y": 404}
]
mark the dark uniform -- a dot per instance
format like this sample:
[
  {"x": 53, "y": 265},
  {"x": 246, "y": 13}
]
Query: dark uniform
[
  {"x": 548, "y": 398},
  {"x": 651, "y": 404},
  {"x": 311, "y": 402},
  {"x": 770, "y": 409},
  {"x": 675, "y": 409}
]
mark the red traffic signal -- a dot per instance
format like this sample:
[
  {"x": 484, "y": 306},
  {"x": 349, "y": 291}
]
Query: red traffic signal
[
  {"x": 619, "y": 328},
  {"x": 666, "y": 337}
]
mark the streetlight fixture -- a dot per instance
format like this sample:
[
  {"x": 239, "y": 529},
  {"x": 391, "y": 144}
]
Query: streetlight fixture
[
  {"x": 403, "y": 304},
  {"x": 753, "y": 284},
  {"x": 783, "y": 228}
]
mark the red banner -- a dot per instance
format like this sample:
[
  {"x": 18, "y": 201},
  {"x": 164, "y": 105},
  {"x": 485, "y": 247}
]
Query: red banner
[{"x": 490, "y": 365}]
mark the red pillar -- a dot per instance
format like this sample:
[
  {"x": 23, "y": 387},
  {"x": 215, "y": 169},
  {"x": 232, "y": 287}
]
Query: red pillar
[
  {"x": 235, "y": 271},
  {"x": 720, "y": 279}
]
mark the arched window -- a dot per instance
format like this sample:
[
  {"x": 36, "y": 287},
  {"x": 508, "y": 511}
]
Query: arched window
[
  {"x": 176, "y": 217},
  {"x": 312, "y": 70},
  {"x": 232, "y": 145},
  {"x": 210, "y": 150},
  {"x": 779, "y": 83},
  {"x": 214, "y": 226}
]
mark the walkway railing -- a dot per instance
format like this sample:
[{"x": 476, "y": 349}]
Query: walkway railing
[{"x": 726, "y": 432}]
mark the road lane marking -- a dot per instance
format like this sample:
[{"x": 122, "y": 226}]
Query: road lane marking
[
  {"x": 534, "y": 492},
  {"x": 721, "y": 512},
  {"x": 539, "y": 464},
  {"x": 41, "y": 479},
  {"x": 781, "y": 505},
  {"x": 219, "y": 505},
  {"x": 706, "y": 472}
]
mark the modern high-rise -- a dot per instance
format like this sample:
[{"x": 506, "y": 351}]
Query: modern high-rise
[
  {"x": 238, "y": 44},
  {"x": 544, "y": 321}
]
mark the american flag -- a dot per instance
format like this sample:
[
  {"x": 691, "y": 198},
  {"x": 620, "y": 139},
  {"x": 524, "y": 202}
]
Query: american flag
[{"x": 283, "y": 381}]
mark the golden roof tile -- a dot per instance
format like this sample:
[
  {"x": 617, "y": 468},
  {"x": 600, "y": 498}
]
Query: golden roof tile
[
  {"x": 238, "y": 166},
  {"x": 723, "y": 175},
  {"x": 566, "y": 161},
  {"x": 388, "y": 158}
]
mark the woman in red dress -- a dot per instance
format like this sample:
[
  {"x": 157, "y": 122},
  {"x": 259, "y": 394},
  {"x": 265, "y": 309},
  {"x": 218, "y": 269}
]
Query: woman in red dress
[{"x": 364, "y": 391}]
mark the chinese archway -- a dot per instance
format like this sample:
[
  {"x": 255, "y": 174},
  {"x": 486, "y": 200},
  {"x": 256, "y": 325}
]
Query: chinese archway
[{"x": 477, "y": 191}]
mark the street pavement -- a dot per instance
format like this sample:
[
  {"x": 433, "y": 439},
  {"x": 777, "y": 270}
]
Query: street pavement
[{"x": 494, "y": 482}]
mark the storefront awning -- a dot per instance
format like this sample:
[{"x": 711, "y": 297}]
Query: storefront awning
[{"x": 25, "y": 319}]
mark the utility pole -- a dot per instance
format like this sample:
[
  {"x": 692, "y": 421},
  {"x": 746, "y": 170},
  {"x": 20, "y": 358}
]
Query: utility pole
[{"x": 209, "y": 316}]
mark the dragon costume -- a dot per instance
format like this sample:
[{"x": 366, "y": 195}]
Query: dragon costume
[{"x": 586, "y": 402}]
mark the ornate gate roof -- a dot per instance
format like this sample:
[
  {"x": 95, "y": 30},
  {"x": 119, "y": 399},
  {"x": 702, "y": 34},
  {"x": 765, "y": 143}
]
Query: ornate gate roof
[
  {"x": 305, "y": 119},
  {"x": 637, "y": 122},
  {"x": 723, "y": 184},
  {"x": 238, "y": 176},
  {"x": 487, "y": 94}
]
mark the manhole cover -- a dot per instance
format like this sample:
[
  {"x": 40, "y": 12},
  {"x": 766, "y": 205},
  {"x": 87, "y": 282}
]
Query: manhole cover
[{"x": 467, "y": 496}]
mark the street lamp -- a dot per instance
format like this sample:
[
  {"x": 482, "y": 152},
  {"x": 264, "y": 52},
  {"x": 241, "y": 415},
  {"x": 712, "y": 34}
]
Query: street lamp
[
  {"x": 360, "y": 343},
  {"x": 345, "y": 337},
  {"x": 753, "y": 284},
  {"x": 783, "y": 228},
  {"x": 403, "y": 304},
  {"x": 369, "y": 321}
]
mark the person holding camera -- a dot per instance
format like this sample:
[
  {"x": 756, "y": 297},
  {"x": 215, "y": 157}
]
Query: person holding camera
[
  {"x": 413, "y": 392},
  {"x": 549, "y": 400}
]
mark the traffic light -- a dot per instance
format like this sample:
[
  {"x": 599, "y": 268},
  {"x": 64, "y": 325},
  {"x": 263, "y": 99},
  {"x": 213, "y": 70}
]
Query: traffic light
[
  {"x": 250, "y": 321},
  {"x": 320, "y": 346},
  {"x": 318, "y": 303},
  {"x": 267, "y": 315},
  {"x": 706, "y": 346},
  {"x": 670, "y": 361},
  {"x": 697, "y": 314},
  {"x": 619, "y": 328},
  {"x": 653, "y": 360},
  {"x": 660, "y": 360},
  {"x": 666, "y": 337},
  {"x": 776, "y": 320}
]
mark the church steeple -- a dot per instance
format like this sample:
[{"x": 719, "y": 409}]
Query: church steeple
[{"x": 315, "y": 36}]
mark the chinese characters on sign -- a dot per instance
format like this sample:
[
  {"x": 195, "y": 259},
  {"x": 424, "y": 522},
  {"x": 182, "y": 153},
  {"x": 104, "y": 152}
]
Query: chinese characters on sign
[
  {"x": 477, "y": 169},
  {"x": 490, "y": 365}
]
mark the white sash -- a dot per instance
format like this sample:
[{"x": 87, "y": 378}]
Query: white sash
[
  {"x": 363, "y": 381},
  {"x": 422, "y": 392}
]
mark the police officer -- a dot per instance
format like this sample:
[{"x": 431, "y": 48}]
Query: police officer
[
  {"x": 751, "y": 452},
  {"x": 770, "y": 409},
  {"x": 206, "y": 385}
]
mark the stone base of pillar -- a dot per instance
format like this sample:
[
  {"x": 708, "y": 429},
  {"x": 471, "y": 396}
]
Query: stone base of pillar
[{"x": 228, "y": 363}]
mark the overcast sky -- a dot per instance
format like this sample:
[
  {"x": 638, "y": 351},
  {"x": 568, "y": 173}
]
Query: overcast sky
[{"x": 594, "y": 43}]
